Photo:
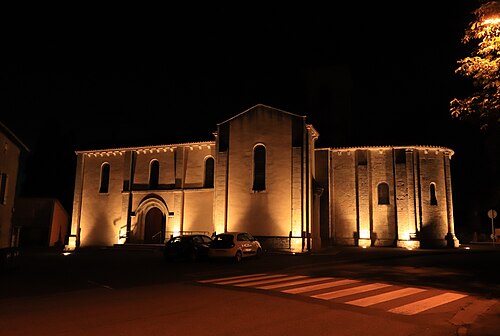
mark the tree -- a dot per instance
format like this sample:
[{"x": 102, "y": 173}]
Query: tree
[{"x": 482, "y": 67}]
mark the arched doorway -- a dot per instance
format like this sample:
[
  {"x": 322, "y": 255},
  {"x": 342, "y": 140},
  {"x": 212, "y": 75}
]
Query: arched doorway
[{"x": 154, "y": 226}]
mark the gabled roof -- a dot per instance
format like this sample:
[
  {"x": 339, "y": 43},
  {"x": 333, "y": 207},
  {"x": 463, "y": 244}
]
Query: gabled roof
[
  {"x": 257, "y": 107},
  {"x": 8, "y": 133}
]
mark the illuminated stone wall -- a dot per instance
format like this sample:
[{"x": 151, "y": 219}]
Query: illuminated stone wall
[
  {"x": 220, "y": 192},
  {"x": 343, "y": 174},
  {"x": 434, "y": 218},
  {"x": 166, "y": 162},
  {"x": 384, "y": 221},
  {"x": 119, "y": 215},
  {"x": 313, "y": 198},
  {"x": 267, "y": 212},
  {"x": 410, "y": 219},
  {"x": 100, "y": 213}
]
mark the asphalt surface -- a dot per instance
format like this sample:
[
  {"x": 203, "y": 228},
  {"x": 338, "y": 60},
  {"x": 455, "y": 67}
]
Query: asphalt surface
[{"x": 41, "y": 271}]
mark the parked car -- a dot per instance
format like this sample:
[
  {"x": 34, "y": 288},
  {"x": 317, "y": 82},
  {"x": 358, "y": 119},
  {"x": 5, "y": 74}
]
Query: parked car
[
  {"x": 191, "y": 247},
  {"x": 237, "y": 245}
]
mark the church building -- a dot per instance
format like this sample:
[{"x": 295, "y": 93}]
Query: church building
[{"x": 263, "y": 174}]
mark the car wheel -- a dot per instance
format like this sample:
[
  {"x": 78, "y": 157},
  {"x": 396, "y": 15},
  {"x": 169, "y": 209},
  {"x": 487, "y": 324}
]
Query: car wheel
[
  {"x": 238, "y": 256},
  {"x": 258, "y": 254}
]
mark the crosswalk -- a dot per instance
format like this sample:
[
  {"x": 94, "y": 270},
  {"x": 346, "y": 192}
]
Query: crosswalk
[{"x": 392, "y": 298}]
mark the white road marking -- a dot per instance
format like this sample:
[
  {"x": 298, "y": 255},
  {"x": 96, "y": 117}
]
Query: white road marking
[
  {"x": 426, "y": 304},
  {"x": 293, "y": 283},
  {"x": 237, "y": 281},
  {"x": 267, "y": 281},
  {"x": 272, "y": 281},
  {"x": 310, "y": 288},
  {"x": 349, "y": 291},
  {"x": 231, "y": 278},
  {"x": 384, "y": 297}
]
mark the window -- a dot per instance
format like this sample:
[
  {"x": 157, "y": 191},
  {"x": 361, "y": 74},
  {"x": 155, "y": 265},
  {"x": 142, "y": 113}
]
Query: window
[
  {"x": 362, "y": 157},
  {"x": 154, "y": 172},
  {"x": 104, "y": 178},
  {"x": 3, "y": 188},
  {"x": 209, "y": 173},
  {"x": 242, "y": 237},
  {"x": 433, "y": 194},
  {"x": 383, "y": 193},
  {"x": 400, "y": 155},
  {"x": 259, "y": 168}
]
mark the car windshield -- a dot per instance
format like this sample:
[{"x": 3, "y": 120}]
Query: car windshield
[
  {"x": 223, "y": 241},
  {"x": 223, "y": 238}
]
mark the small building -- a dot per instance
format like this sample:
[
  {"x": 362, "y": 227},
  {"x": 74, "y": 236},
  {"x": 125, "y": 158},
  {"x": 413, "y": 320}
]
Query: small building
[
  {"x": 11, "y": 151},
  {"x": 43, "y": 222},
  {"x": 263, "y": 174}
]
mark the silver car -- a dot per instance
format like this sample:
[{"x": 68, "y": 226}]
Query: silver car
[{"x": 234, "y": 244}]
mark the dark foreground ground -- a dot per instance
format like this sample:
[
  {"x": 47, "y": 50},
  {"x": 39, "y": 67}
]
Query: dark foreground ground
[{"x": 472, "y": 268}]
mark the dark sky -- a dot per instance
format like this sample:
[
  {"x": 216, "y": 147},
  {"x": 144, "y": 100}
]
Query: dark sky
[
  {"x": 365, "y": 73},
  {"x": 363, "y": 69}
]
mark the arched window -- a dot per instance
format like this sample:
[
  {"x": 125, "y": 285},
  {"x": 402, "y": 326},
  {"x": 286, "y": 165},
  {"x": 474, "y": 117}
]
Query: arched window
[
  {"x": 209, "y": 173},
  {"x": 259, "y": 168},
  {"x": 154, "y": 173},
  {"x": 383, "y": 193},
  {"x": 433, "y": 197},
  {"x": 104, "y": 186}
]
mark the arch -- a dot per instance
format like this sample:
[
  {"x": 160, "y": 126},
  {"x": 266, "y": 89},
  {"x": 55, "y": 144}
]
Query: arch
[
  {"x": 104, "y": 183},
  {"x": 150, "y": 219},
  {"x": 259, "y": 168}
]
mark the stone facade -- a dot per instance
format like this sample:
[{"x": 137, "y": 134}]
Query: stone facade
[
  {"x": 263, "y": 174},
  {"x": 414, "y": 211},
  {"x": 12, "y": 150}
]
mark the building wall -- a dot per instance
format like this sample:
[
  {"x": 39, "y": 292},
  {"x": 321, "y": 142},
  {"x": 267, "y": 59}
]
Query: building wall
[
  {"x": 267, "y": 212},
  {"x": 381, "y": 169},
  {"x": 10, "y": 153},
  {"x": 59, "y": 225},
  {"x": 434, "y": 225},
  {"x": 104, "y": 219},
  {"x": 344, "y": 206},
  {"x": 409, "y": 220},
  {"x": 42, "y": 222},
  {"x": 313, "y": 197},
  {"x": 101, "y": 218},
  {"x": 143, "y": 159},
  {"x": 278, "y": 214},
  {"x": 8, "y": 165}
]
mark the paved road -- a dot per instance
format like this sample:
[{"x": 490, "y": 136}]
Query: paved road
[{"x": 416, "y": 292}]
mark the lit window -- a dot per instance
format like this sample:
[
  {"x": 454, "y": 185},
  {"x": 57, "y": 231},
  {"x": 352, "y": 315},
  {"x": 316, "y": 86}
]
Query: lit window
[{"x": 259, "y": 168}]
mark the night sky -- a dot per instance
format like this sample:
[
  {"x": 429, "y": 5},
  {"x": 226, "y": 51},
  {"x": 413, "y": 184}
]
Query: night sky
[{"x": 364, "y": 74}]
